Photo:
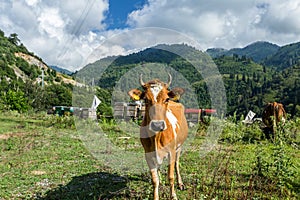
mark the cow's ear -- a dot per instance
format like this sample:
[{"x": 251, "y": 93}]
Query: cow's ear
[
  {"x": 175, "y": 93},
  {"x": 135, "y": 94}
]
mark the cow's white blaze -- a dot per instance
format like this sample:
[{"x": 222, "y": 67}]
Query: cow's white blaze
[
  {"x": 173, "y": 121},
  {"x": 155, "y": 90}
]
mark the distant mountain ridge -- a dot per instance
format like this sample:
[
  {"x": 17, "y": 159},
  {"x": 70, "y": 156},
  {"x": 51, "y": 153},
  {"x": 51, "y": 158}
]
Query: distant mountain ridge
[
  {"x": 258, "y": 73},
  {"x": 249, "y": 84},
  {"x": 258, "y": 51},
  {"x": 286, "y": 56},
  {"x": 61, "y": 70}
]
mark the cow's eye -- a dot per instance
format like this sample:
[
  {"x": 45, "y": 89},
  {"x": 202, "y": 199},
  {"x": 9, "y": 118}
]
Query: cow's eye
[{"x": 167, "y": 100}]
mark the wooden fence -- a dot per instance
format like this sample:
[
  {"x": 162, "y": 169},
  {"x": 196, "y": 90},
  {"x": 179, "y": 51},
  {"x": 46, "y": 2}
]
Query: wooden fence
[
  {"x": 132, "y": 111},
  {"x": 129, "y": 111}
]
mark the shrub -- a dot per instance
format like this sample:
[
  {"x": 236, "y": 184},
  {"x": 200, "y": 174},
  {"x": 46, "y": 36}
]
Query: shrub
[
  {"x": 15, "y": 100},
  {"x": 61, "y": 121},
  {"x": 232, "y": 132},
  {"x": 58, "y": 79},
  {"x": 273, "y": 162},
  {"x": 236, "y": 131}
]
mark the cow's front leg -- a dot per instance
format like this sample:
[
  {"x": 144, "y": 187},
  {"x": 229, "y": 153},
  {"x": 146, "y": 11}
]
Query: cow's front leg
[
  {"x": 179, "y": 180},
  {"x": 155, "y": 182},
  {"x": 152, "y": 164},
  {"x": 171, "y": 175}
]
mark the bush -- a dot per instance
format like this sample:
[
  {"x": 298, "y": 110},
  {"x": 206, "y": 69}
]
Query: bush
[
  {"x": 290, "y": 132},
  {"x": 61, "y": 121},
  {"x": 236, "y": 131},
  {"x": 15, "y": 100},
  {"x": 24, "y": 66},
  {"x": 232, "y": 132},
  {"x": 253, "y": 133},
  {"x": 274, "y": 162},
  {"x": 58, "y": 79}
]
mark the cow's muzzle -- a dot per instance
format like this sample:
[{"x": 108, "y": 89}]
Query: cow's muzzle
[{"x": 157, "y": 125}]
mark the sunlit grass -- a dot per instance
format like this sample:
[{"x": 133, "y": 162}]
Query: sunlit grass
[{"x": 44, "y": 157}]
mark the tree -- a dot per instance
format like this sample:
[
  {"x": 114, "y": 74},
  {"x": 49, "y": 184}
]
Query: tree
[
  {"x": 105, "y": 97},
  {"x": 244, "y": 77},
  {"x": 57, "y": 95},
  {"x": 1, "y": 33},
  {"x": 13, "y": 38}
]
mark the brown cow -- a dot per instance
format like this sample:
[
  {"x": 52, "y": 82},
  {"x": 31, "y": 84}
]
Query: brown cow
[
  {"x": 163, "y": 130},
  {"x": 272, "y": 115}
]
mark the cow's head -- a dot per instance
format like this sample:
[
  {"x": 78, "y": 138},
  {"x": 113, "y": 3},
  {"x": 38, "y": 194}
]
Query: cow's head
[{"x": 156, "y": 95}]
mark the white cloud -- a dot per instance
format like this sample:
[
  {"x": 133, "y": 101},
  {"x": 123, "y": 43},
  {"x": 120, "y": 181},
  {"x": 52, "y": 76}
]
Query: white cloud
[
  {"x": 32, "y": 2},
  {"x": 134, "y": 40},
  {"x": 282, "y": 17},
  {"x": 51, "y": 23},
  {"x": 228, "y": 24},
  {"x": 64, "y": 33},
  {"x": 60, "y": 32}
]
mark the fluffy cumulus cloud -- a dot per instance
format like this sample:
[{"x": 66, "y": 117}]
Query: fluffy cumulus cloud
[
  {"x": 61, "y": 32},
  {"x": 281, "y": 17},
  {"x": 228, "y": 24},
  {"x": 65, "y": 33}
]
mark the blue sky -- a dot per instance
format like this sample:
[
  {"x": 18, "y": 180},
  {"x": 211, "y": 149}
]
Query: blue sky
[
  {"x": 65, "y": 33},
  {"x": 119, "y": 10}
]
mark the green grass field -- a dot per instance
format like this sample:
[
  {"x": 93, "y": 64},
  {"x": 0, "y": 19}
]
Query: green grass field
[{"x": 44, "y": 157}]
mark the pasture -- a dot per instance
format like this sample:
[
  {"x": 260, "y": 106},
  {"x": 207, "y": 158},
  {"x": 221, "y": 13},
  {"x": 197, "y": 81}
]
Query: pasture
[{"x": 43, "y": 157}]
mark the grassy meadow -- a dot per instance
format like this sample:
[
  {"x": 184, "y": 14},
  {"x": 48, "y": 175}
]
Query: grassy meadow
[{"x": 43, "y": 157}]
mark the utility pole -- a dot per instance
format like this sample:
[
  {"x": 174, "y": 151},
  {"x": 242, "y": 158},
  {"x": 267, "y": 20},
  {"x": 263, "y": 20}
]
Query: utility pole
[{"x": 43, "y": 76}]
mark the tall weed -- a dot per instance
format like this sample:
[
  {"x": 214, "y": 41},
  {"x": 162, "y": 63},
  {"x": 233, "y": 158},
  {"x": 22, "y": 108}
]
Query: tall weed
[
  {"x": 61, "y": 121},
  {"x": 235, "y": 131},
  {"x": 274, "y": 162}
]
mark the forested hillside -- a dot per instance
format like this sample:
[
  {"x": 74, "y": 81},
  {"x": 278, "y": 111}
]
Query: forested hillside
[
  {"x": 287, "y": 56},
  {"x": 249, "y": 85},
  {"x": 257, "y": 51},
  {"x": 22, "y": 86}
]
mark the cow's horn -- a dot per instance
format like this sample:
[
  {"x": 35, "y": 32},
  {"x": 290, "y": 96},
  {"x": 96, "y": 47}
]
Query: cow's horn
[
  {"x": 141, "y": 80},
  {"x": 170, "y": 80}
]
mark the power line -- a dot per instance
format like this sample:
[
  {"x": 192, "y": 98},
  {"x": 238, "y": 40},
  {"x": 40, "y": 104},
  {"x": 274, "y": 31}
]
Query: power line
[{"x": 77, "y": 27}]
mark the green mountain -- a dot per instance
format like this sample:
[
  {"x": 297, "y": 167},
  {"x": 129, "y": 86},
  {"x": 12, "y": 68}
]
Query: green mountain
[
  {"x": 257, "y": 51},
  {"x": 217, "y": 52},
  {"x": 109, "y": 70},
  {"x": 249, "y": 85},
  {"x": 286, "y": 56},
  {"x": 26, "y": 82},
  {"x": 61, "y": 70}
]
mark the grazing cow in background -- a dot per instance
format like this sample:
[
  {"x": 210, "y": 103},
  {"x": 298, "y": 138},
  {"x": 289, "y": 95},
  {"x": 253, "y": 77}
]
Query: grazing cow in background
[
  {"x": 163, "y": 130},
  {"x": 272, "y": 115}
]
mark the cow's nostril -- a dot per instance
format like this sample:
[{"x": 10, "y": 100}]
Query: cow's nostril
[{"x": 157, "y": 125}]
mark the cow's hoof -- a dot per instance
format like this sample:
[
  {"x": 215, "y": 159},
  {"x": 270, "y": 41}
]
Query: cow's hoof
[
  {"x": 181, "y": 186},
  {"x": 174, "y": 197}
]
